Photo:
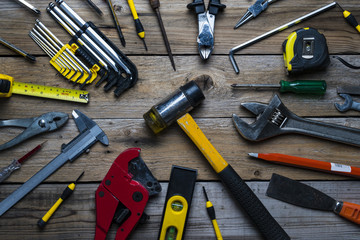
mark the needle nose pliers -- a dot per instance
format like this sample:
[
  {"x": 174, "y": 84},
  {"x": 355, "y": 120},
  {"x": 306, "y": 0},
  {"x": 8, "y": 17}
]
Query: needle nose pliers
[
  {"x": 206, "y": 21},
  {"x": 47, "y": 122}
]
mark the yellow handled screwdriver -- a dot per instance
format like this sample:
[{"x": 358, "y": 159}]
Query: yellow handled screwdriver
[
  {"x": 211, "y": 212},
  {"x": 139, "y": 27},
  {"x": 66, "y": 194},
  {"x": 350, "y": 18}
]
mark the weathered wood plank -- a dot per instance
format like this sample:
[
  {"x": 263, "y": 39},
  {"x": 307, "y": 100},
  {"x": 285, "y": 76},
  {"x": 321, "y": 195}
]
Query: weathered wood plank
[
  {"x": 157, "y": 80},
  {"x": 174, "y": 147},
  {"x": 76, "y": 218},
  {"x": 181, "y": 26}
]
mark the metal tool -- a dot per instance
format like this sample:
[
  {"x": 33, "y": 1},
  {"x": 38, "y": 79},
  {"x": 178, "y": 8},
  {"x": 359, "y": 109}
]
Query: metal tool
[
  {"x": 329, "y": 167},
  {"x": 138, "y": 26},
  {"x": 96, "y": 8},
  {"x": 123, "y": 74},
  {"x": 16, "y": 163},
  {"x": 175, "y": 108},
  {"x": 47, "y": 122},
  {"x": 211, "y": 212},
  {"x": 29, "y": 6},
  {"x": 349, "y": 89},
  {"x": 123, "y": 194},
  {"x": 298, "y": 86},
  {"x": 155, "y": 5},
  {"x": 253, "y": 11},
  {"x": 65, "y": 195},
  {"x": 274, "y": 31},
  {"x": 90, "y": 133},
  {"x": 275, "y": 119},
  {"x": 349, "y": 104},
  {"x": 206, "y": 22},
  {"x": 18, "y": 50},
  {"x": 299, "y": 194},
  {"x": 8, "y": 87},
  {"x": 116, "y": 21}
]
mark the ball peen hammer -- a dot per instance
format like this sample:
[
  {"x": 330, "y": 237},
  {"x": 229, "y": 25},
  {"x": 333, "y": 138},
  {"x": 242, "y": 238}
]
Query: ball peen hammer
[{"x": 176, "y": 108}]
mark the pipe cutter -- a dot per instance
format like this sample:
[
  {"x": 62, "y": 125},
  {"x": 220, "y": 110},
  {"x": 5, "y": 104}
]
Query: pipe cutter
[{"x": 123, "y": 193}]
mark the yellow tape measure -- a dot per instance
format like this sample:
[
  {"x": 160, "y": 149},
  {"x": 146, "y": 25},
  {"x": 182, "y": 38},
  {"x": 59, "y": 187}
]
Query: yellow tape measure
[{"x": 8, "y": 87}]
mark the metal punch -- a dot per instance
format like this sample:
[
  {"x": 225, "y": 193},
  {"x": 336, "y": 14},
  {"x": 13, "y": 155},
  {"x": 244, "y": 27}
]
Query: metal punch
[
  {"x": 47, "y": 122},
  {"x": 206, "y": 21},
  {"x": 349, "y": 104},
  {"x": 275, "y": 119}
]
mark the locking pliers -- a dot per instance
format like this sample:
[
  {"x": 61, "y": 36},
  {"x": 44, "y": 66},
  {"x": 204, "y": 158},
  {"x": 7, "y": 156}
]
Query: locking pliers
[
  {"x": 47, "y": 122},
  {"x": 206, "y": 21}
]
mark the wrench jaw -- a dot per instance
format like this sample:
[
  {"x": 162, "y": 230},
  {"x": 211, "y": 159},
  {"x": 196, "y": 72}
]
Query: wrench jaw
[
  {"x": 270, "y": 120},
  {"x": 346, "y": 105}
]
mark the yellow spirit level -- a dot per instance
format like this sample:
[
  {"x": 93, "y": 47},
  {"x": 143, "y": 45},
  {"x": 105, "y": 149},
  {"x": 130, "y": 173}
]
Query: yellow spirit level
[{"x": 177, "y": 203}]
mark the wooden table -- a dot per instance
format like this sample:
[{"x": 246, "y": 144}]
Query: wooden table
[{"x": 121, "y": 119}]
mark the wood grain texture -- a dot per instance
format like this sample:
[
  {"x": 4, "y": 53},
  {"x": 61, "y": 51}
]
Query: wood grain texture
[{"x": 75, "y": 219}]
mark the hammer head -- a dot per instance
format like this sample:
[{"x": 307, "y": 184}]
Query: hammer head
[{"x": 174, "y": 106}]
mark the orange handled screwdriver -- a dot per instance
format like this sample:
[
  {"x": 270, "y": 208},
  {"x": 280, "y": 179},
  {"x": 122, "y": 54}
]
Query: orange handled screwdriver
[{"x": 329, "y": 167}]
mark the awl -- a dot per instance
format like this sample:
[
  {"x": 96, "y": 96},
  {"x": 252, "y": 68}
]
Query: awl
[
  {"x": 294, "y": 192},
  {"x": 89, "y": 134}
]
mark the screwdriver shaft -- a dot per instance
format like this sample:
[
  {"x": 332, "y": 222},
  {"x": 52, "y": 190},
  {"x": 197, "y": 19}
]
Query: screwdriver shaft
[
  {"x": 29, "y": 6},
  {"x": 116, "y": 21},
  {"x": 255, "y": 86},
  {"x": 17, "y": 50}
]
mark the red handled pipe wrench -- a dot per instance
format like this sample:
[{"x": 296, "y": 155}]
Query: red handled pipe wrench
[{"x": 123, "y": 193}]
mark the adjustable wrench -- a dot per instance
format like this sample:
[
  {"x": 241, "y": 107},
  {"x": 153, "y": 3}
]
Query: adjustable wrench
[
  {"x": 348, "y": 104},
  {"x": 275, "y": 119}
]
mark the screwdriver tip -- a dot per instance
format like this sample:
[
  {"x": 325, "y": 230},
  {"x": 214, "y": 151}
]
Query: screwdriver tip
[
  {"x": 37, "y": 11},
  {"x": 206, "y": 196},
  {"x": 79, "y": 177},
  {"x": 253, "y": 155},
  {"x": 123, "y": 41},
  {"x": 144, "y": 43}
]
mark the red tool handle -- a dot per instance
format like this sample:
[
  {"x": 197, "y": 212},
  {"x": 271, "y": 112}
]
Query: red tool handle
[{"x": 351, "y": 211}]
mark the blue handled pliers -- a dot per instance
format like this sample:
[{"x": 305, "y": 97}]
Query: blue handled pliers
[{"x": 206, "y": 21}]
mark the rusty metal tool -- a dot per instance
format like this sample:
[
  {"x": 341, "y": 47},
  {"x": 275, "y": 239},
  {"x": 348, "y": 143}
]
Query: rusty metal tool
[
  {"x": 16, "y": 163},
  {"x": 116, "y": 21},
  {"x": 90, "y": 133},
  {"x": 175, "y": 108},
  {"x": 155, "y": 5},
  {"x": 275, "y": 119},
  {"x": 253, "y": 11},
  {"x": 47, "y": 122},
  {"x": 349, "y": 104},
  {"x": 299, "y": 194}
]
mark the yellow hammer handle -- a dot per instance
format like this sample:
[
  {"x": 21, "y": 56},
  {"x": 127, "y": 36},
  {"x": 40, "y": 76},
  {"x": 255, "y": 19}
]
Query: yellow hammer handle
[{"x": 189, "y": 126}]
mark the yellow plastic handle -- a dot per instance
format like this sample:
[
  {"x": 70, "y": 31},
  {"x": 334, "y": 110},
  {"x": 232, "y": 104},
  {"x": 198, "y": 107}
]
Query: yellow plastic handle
[
  {"x": 133, "y": 9},
  {"x": 189, "y": 126}
]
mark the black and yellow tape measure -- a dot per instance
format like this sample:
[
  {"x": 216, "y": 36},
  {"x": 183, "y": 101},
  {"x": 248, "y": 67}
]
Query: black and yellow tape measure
[
  {"x": 8, "y": 87},
  {"x": 305, "y": 50}
]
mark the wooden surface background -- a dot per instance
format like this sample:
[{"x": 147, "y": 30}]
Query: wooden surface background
[{"x": 121, "y": 118}]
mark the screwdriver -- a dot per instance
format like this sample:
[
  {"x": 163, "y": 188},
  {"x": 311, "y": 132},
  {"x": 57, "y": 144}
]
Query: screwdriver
[
  {"x": 211, "y": 212},
  {"x": 139, "y": 27},
  {"x": 299, "y": 86},
  {"x": 96, "y": 8},
  {"x": 350, "y": 18},
  {"x": 16, "y": 164},
  {"x": 155, "y": 5},
  {"x": 116, "y": 21},
  {"x": 18, "y": 50},
  {"x": 66, "y": 194}
]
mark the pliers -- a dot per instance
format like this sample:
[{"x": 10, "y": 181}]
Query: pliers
[
  {"x": 47, "y": 122},
  {"x": 258, "y": 7},
  {"x": 206, "y": 21}
]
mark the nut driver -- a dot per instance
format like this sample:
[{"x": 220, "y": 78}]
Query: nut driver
[{"x": 275, "y": 119}]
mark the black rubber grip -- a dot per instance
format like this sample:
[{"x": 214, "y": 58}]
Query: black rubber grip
[
  {"x": 266, "y": 224},
  {"x": 4, "y": 86},
  {"x": 41, "y": 223},
  {"x": 352, "y": 21}
]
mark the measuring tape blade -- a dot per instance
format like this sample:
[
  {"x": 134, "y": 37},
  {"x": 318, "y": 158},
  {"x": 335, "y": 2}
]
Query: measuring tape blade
[{"x": 50, "y": 92}]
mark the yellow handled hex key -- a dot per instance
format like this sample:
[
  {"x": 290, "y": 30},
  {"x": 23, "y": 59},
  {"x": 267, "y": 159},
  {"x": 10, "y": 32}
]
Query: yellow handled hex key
[
  {"x": 66, "y": 194},
  {"x": 8, "y": 86},
  {"x": 139, "y": 27},
  {"x": 211, "y": 212}
]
